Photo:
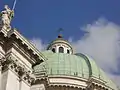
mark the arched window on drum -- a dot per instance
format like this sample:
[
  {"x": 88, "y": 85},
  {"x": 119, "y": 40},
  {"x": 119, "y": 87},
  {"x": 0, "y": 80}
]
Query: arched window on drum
[
  {"x": 61, "y": 50},
  {"x": 68, "y": 51},
  {"x": 53, "y": 50}
]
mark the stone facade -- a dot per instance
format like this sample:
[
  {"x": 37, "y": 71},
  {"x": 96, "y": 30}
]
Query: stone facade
[{"x": 17, "y": 58}]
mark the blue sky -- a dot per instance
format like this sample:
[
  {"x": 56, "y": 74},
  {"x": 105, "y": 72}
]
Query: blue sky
[
  {"x": 39, "y": 20},
  {"x": 42, "y": 18}
]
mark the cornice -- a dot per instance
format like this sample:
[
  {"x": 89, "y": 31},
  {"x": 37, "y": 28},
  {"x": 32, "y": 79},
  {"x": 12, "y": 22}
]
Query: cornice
[
  {"x": 67, "y": 85},
  {"x": 3, "y": 31},
  {"x": 23, "y": 53},
  {"x": 13, "y": 33},
  {"x": 93, "y": 81},
  {"x": 26, "y": 42}
]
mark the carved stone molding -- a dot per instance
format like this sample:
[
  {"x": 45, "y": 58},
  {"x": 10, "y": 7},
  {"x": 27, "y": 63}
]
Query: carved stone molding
[
  {"x": 11, "y": 63},
  {"x": 27, "y": 77},
  {"x": 2, "y": 60}
]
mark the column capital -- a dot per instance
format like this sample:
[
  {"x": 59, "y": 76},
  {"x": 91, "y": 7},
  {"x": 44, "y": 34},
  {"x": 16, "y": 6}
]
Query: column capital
[{"x": 20, "y": 70}]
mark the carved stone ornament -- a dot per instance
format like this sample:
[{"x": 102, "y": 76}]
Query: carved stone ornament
[
  {"x": 2, "y": 60},
  {"x": 29, "y": 78},
  {"x": 5, "y": 18},
  {"x": 20, "y": 70}
]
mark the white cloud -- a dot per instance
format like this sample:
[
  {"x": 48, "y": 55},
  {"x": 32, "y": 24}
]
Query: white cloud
[
  {"x": 101, "y": 42},
  {"x": 37, "y": 42}
]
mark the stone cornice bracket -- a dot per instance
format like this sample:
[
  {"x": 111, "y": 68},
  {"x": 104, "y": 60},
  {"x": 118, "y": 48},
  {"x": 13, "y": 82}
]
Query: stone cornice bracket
[
  {"x": 2, "y": 60},
  {"x": 8, "y": 62},
  {"x": 28, "y": 78}
]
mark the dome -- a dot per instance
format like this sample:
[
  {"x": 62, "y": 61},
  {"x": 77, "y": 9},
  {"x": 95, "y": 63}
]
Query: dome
[
  {"x": 69, "y": 69},
  {"x": 74, "y": 66}
]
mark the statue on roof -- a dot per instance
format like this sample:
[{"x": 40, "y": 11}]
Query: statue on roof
[{"x": 5, "y": 17}]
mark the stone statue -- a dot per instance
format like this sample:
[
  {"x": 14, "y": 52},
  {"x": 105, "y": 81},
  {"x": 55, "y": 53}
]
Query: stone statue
[{"x": 6, "y": 17}]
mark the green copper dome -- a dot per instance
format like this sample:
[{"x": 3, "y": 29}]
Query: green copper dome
[
  {"x": 79, "y": 65},
  {"x": 61, "y": 63}
]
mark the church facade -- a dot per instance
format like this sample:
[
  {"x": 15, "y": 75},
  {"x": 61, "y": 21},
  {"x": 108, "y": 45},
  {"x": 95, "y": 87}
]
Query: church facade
[{"x": 23, "y": 67}]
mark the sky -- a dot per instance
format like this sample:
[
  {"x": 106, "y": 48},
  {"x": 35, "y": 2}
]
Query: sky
[{"x": 92, "y": 27}]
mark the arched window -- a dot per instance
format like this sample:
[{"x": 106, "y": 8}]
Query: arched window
[
  {"x": 61, "y": 50},
  {"x": 53, "y": 50},
  {"x": 68, "y": 51}
]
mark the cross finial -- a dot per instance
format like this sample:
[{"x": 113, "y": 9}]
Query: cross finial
[{"x": 59, "y": 31}]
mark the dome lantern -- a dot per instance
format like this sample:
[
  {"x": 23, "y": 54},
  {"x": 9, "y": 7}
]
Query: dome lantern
[{"x": 60, "y": 46}]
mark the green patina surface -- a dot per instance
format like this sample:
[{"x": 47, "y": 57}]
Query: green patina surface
[{"x": 78, "y": 65}]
